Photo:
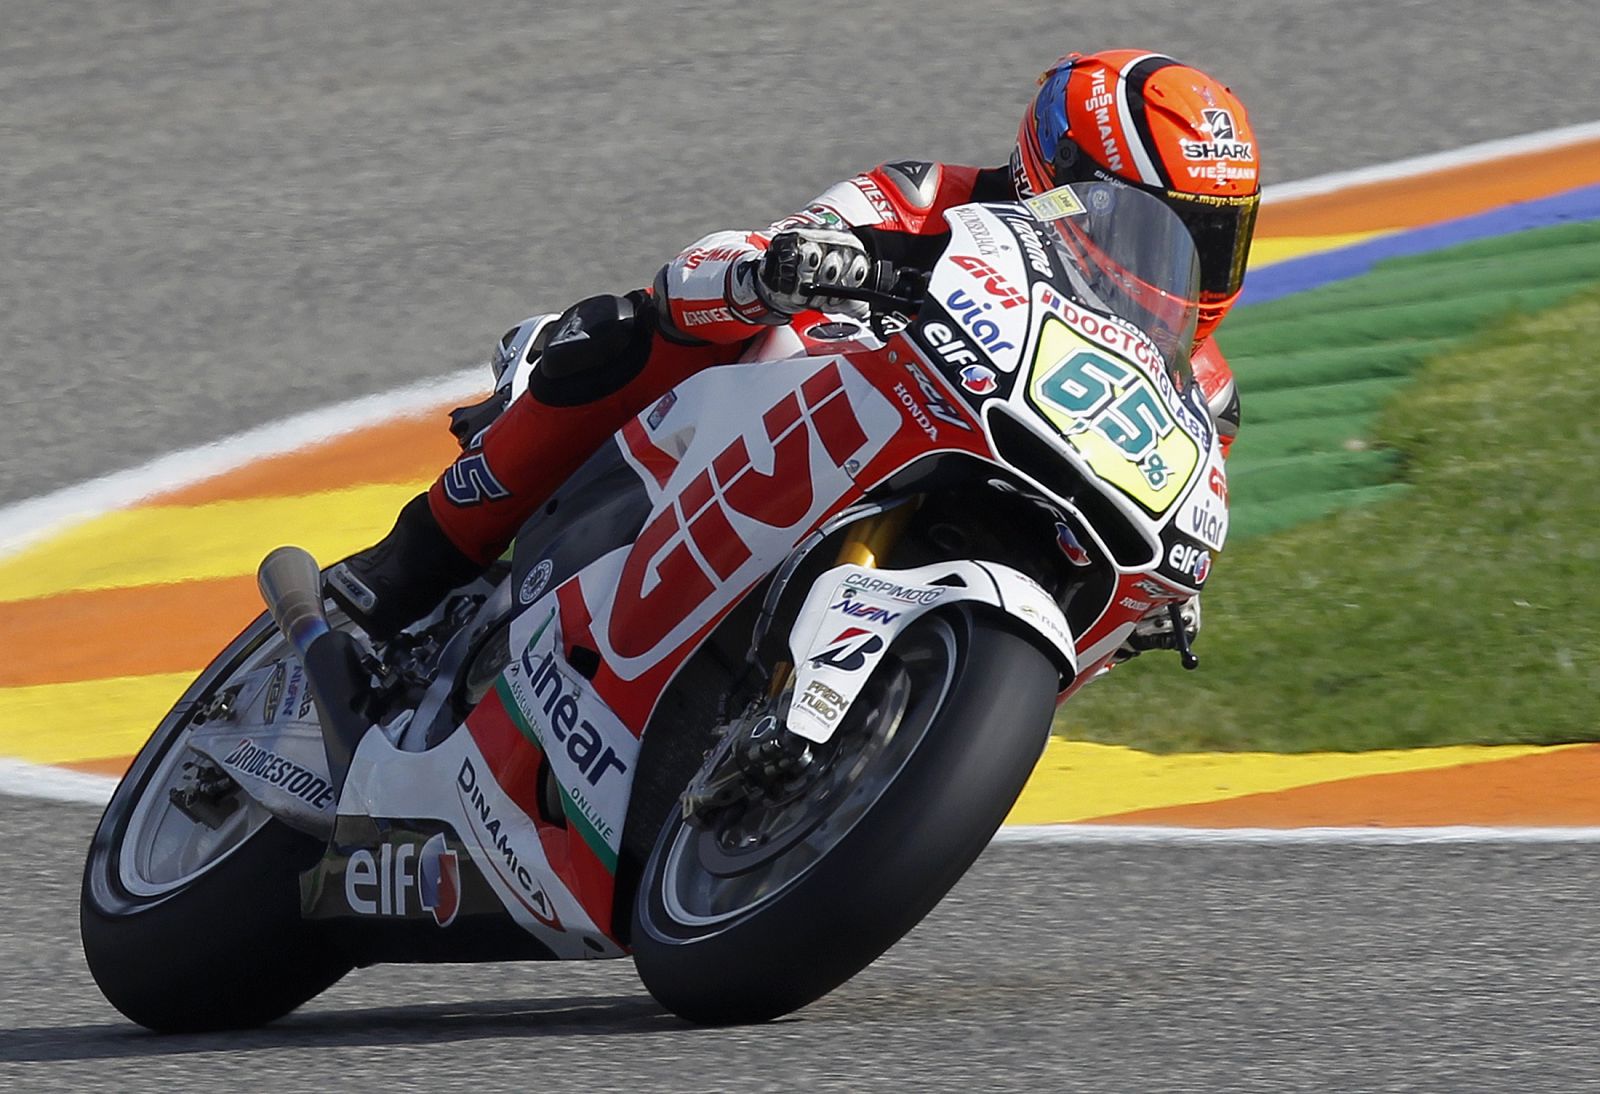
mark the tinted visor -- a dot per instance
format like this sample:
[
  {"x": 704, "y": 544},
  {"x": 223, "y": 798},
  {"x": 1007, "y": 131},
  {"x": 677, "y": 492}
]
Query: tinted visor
[
  {"x": 1221, "y": 228},
  {"x": 1220, "y": 225}
]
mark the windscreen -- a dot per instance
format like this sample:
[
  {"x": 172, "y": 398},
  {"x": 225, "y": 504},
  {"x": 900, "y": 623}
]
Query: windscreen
[{"x": 1128, "y": 254}]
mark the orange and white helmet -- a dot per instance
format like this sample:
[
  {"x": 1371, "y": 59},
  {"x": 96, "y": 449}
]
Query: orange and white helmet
[{"x": 1145, "y": 120}]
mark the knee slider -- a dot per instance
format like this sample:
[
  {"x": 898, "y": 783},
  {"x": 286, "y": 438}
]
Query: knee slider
[{"x": 594, "y": 349}]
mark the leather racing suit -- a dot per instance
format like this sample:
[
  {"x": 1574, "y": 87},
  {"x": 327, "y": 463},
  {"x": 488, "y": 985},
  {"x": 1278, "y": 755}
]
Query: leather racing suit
[
  {"x": 705, "y": 309},
  {"x": 607, "y": 358}
]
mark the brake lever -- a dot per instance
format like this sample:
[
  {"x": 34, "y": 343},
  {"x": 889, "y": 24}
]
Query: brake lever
[
  {"x": 907, "y": 287},
  {"x": 886, "y": 300}
]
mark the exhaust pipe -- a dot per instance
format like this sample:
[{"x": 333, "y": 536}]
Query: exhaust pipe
[{"x": 291, "y": 584}]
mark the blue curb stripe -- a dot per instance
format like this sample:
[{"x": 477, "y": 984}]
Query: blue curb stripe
[{"x": 1313, "y": 271}]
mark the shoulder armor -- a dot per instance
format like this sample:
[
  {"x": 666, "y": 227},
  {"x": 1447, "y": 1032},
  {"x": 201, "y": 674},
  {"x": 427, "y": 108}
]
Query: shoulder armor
[{"x": 917, "y": 181}]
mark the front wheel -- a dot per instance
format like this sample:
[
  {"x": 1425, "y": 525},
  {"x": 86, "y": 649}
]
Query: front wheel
[
  {"x": 772, "y": 903},
  {"x": 196, "y": 926}
]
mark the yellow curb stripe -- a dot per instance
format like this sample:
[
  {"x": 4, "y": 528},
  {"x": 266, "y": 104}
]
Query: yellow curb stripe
[
  {"x": 1077, "y": 781},
  {"x": 89, "y": 720},
  {"x": 1074, "y": 781},
  {"x": 156, "y": 545},
  {"x": 1266, "y": 250}
]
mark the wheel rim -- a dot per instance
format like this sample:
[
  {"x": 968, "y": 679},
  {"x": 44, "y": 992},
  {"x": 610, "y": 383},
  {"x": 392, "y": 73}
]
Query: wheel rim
[
  {"x": 747, "y": 858},
  {"x": 163, "y": 849}
]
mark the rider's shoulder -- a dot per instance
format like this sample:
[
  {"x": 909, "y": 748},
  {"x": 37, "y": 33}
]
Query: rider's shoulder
[
  {"x": 915, "y": 182},
  {"x": 921, "y": 185}
]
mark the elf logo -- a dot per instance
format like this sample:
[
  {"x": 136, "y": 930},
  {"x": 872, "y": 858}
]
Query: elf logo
[
  {"x": 849, "y": 649},
  {"x": 1190, "y": 560},
  {"x": 978, "y": 380},
  {"x": 384, "y": 884}
]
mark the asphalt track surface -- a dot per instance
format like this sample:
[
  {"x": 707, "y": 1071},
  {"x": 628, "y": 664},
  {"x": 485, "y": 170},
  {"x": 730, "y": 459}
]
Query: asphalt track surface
[
  {"x": 215, "y": 215},
  {"x": 1090, "y": 968},
  {"x": 213, "y": 218}
]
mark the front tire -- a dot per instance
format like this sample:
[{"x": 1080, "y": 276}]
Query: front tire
[
  {"x": 719, "y": 941},
  {"x": 204, "y": 934}
]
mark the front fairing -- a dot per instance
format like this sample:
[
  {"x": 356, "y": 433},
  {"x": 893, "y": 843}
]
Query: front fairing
[{"x": 1069, "y": 335}]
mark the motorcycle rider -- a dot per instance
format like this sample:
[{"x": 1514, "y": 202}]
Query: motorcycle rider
[{"x": 1134, "y": 117}]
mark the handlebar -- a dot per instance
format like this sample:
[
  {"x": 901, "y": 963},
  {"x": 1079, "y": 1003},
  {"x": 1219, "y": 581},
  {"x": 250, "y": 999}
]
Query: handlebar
[{"x": 892, "y": 289}]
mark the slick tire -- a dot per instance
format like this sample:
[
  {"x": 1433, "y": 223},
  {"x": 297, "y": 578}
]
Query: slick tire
[
  {"x": 228, "y": 948},
  {"x": 927, "y": 826}
]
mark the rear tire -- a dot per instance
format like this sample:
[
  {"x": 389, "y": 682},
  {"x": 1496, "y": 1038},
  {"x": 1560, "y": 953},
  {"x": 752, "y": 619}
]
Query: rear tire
[
  {"x": 930, "y": 821},
  {"x": 225, "y": 948}
]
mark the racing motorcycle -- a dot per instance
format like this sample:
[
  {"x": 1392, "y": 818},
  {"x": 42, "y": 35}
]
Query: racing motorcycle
[{"x": 747, "y": 696}]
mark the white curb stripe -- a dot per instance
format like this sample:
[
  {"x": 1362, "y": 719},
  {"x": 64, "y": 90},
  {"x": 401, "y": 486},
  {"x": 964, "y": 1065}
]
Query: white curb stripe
[
  {"x": 1436, "y": 161},
  {"x": 1057, "y": 834},
  {"x": 26, "y": 522},
  {"x": 54, "y": 783}
]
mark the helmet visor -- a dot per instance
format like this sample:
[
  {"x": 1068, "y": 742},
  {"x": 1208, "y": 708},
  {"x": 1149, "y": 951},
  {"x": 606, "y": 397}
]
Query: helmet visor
[{"x": 1221, "y": 227}]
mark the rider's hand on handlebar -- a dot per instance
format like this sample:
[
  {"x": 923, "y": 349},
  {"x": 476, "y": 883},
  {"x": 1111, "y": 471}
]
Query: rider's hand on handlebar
[{"x": 812, "y": 259}]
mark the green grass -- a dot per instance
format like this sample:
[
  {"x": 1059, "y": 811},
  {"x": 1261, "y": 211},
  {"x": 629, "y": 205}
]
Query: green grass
[
  {"x": 1316, "y": 368},
  {"x": 1459, "y": 604}
]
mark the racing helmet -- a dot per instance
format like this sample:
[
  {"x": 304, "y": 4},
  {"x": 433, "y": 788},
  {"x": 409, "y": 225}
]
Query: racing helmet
[{"x": 1145, "y": 120}]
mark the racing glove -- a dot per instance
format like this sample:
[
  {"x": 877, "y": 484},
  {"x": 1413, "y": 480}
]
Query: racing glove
[{"x": 815, "y": 258}]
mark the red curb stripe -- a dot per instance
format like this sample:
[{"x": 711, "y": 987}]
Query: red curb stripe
[
  {"x": 407, "y": 450},
  {"x": 1540, "y": 790},
  {"x": 137, "y": 631},
  {"x": 1428, "y": 199}
]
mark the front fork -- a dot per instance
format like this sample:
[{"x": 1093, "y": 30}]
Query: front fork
[
  {"x": 762, "y": 755},
  {"x": 865, "y": 542}
]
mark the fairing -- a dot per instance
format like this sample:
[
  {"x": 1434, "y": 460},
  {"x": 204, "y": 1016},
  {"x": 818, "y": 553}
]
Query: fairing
[{"x": 703, "y": 496}]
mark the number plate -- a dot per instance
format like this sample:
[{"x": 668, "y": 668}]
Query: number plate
[{"x": 1113, "y": 413}]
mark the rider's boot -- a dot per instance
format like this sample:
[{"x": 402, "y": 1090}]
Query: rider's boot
[{"x": 403, "y": 576}]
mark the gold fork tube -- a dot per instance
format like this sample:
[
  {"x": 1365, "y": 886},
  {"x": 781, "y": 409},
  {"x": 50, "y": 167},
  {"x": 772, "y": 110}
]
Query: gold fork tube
[{"x": 871, "y": 538}]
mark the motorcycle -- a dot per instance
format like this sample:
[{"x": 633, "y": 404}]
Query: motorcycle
[{"x": 748, "y": 695}]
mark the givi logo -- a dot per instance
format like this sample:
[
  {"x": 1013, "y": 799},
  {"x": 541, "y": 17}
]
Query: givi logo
[{"x": 690, "y": 548}]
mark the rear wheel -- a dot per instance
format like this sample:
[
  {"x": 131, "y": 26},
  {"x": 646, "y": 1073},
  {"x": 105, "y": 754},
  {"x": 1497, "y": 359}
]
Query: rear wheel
[
  {"x": 196, "y": 926},
  {"x": 769, "y": 904}
]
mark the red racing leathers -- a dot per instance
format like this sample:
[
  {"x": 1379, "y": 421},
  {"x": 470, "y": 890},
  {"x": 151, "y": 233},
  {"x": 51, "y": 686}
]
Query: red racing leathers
[{"x": 707, "y": 309}]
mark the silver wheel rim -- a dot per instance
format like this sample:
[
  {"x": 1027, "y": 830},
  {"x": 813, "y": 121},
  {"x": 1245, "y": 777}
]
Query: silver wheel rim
[
  {"x": 163, "y": 849},
  {"x": 909, "y": 695}
]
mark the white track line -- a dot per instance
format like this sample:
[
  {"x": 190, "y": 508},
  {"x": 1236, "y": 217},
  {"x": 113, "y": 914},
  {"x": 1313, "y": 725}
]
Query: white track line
[
  {"x": 1437, "y": 161},
  {"x": 26, "y": 522},
  {"x": 54, "y": 783},
  {"x": 1057, "y": 834}
]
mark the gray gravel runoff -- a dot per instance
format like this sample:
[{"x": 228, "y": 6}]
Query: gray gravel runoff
[{"x": 215, "y": 215}]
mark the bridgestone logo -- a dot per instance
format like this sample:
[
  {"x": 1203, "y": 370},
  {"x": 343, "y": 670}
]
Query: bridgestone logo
[{"x": 274, "y": 770}]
